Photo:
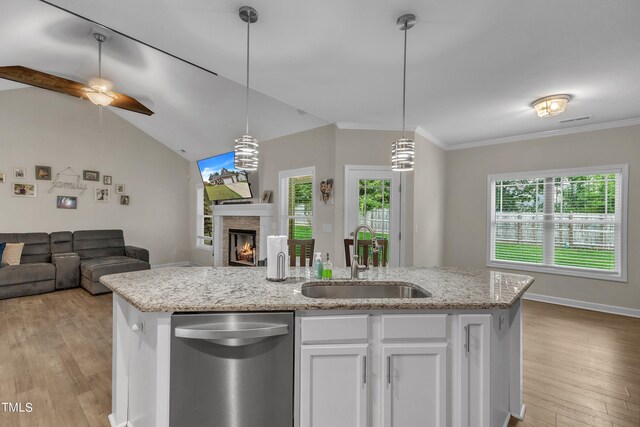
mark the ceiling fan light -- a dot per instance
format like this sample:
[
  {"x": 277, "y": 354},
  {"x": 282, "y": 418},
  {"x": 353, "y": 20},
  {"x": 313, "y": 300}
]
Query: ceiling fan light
[
  {"x": 246, "y": 153},
  {"x": 100, "y": 98},
  {"x": 551, "y": 105},
  {"x": 100, "y": 84},
  {"x": 403, "y": 153}
]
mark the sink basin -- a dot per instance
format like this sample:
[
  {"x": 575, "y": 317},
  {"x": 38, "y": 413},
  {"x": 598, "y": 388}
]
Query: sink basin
[{"x": 362, "y": 289}]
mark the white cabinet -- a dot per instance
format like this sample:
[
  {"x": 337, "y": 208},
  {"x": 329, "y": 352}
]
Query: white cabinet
[
  {"x": 414, "y": 385},
  {"x": 373, "y": 371},
  {"x": 474, "y": 332},
  {"x": 333, "y": 385}
]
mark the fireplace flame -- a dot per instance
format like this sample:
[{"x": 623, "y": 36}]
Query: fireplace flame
[{"x": 246, "y": 249}]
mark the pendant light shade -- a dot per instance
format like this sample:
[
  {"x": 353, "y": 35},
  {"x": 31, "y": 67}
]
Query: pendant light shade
[
  {"x": 246, "y": 153},
  {"x": 246, "y": 147},
  {"x": 403, "y": 151}
]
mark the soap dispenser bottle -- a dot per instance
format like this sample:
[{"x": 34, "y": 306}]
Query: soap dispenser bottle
[
  {"x": 327, "y": 272},
  {"x": 318, "y": 265}
]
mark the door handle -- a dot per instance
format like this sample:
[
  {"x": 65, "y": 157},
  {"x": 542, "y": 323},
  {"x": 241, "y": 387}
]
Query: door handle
[
  {"x": 467, "y": 333},
  {"x": 364, "y": 369},
  {"x": 232, "y": 334},
  {"x": 388, "y": 369}
]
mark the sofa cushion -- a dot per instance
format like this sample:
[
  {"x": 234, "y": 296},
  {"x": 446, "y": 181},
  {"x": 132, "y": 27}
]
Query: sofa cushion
[
  {"x": 26, "y": 273},
  {"x": 36, "y": 246},
  {"x": 12, "y": 253},
  {"x": 95, "y": 268},
  {"x": 2, "y": 246},
  {"x": 98, "y": 243},
  {"x": 61, "y": 242}
]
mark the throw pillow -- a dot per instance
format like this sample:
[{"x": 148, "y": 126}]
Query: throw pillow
[
  {"x": 2, "y": 245},
  {"x": 12, "y": 253}
]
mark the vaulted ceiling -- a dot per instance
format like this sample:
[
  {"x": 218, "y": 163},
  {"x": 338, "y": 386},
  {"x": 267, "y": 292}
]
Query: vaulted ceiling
[{"x": 473, "y": 67}]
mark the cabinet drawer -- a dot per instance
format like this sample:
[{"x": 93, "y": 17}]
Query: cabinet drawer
[
  {"x": 414, "y": 326},
  {"x": 334, "y": 329}
]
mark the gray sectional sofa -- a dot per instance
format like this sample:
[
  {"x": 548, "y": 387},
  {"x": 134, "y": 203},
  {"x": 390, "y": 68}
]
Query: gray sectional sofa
[
  {"x": 103, "y": 252},
  {"x": 63, "y": 260}
]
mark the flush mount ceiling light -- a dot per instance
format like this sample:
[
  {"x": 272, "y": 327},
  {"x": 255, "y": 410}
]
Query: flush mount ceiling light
[
  {"x": 246, "y": 149},
  {"x": 99, "y": 89},
  {"x": 551, "y": 105},
  {"x": 403, "y": 151}
]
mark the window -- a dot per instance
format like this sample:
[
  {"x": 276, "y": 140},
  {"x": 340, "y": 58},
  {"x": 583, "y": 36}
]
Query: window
[
  {"x": 565, "y": 222},
  {"x": 204, "y": 228},
  {"x": 296, "y": 206}
]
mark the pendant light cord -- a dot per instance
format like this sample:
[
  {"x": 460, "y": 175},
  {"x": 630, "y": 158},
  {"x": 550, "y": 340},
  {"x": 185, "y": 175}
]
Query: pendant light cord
[
  {"x": 404, "y": 79},
  {"x": 247, "y": 94}
]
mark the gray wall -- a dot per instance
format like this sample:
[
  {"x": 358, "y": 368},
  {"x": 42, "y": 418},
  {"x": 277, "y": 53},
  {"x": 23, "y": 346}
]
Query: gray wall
[
  {"x": 466, "y": 203},
  {"x": 39, "y": 127},
  {"x": 429, "y": 204}
]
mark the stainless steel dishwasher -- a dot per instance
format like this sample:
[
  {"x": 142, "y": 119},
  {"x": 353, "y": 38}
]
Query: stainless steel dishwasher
[{"x": 232, "y": 370}]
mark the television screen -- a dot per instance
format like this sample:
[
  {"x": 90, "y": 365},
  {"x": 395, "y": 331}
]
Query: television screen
[{"x": 221, "y": 180}]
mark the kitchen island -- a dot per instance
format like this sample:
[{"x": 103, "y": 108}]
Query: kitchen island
[{"x": 457, "y": 351}]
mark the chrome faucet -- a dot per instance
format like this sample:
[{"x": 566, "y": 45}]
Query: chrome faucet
[{"x": 356, "y": 268}]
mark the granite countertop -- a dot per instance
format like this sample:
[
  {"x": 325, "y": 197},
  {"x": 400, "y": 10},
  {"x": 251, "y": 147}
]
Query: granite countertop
[{"x": 190, "y": 289}]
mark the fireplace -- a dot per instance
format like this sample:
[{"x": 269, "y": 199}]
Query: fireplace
[{"x": 242, "y": 248}]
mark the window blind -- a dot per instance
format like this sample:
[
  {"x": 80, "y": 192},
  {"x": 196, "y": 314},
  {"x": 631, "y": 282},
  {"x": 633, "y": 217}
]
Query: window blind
[{"x": 564, "y": 220}]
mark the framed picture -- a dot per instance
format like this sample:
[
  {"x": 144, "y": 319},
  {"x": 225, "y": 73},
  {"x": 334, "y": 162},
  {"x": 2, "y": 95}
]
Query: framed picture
[
  {"x": 326, "y": 191},
  {"x": 20, "y": 173},
  {"x": 106, "y": 180},
  {"x": 2, "y": 178},
  {"x": 91, "y": 175},
  {"x": 124, "y": 200},
  {"x": 102, "y": 195},
  {"x": 266, "y": 196},
  {"x": 119, "y": 188},
  {"x": 67, "y": 202},
  {"x": 24, "y": 189},
  {"x": 43, "y": 173}
]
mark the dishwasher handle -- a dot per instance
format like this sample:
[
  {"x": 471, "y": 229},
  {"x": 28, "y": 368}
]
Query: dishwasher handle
[{"x": 232, "y": 334}]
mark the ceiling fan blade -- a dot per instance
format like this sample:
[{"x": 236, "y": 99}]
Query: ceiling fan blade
[
  {"x": 47, "y": 81},
  {"x": 42, "y": 80},
  {"x": 128, "y": 103}
]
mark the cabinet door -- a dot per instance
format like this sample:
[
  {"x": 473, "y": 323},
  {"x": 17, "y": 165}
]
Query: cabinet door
[
  {"x": 475, "y": 370},
  {"x": 333, "y": 385},
  {"x": 414, "y": 385}
]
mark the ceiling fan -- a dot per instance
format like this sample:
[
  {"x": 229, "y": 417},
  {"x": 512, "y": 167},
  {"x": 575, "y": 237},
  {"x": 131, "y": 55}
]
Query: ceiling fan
[{"x": 97, "y": 90}]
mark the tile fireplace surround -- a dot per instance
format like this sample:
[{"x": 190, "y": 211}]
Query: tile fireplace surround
[{"x": 257, "y": 217}]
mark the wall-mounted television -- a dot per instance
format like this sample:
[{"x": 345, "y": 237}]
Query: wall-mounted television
[{"x": 222, "y": 181}]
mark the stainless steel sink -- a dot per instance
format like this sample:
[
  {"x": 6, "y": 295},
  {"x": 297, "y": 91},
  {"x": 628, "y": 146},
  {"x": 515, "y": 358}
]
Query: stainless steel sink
[{"x": 362, "y": 289}]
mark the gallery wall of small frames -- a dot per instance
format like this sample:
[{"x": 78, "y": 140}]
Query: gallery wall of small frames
[{"x": 68, "y": 181}]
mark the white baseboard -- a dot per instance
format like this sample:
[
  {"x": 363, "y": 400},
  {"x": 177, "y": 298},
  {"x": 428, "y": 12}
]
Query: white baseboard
[
  {"x": 506, "y": 421},
  {"x": 112, "y": 421},
  {"x": 622, "y": 311},
  {"x": 172, "y": 264}
]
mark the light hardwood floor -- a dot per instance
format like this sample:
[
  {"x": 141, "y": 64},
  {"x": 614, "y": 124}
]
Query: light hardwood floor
[{"x": 581, "y": 368}]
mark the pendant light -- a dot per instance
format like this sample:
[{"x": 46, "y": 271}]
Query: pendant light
[
  {"x": 246, "y": 149},
  {"x": 99, "y": 89},
  {"x": 403, "y": 151}
]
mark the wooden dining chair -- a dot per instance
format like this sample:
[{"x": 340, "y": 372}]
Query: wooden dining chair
[
  {"x": 379, "y": 259},
  {"x": 302, "y": 248}
]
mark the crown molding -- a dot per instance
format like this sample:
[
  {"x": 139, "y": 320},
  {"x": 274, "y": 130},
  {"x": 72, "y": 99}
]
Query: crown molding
[
  {"x": 546, "y": 134},
  {"x": 366, "y": 126},
  {"x": 431, "y": 138},
  {"x": 374, "y": 126}
]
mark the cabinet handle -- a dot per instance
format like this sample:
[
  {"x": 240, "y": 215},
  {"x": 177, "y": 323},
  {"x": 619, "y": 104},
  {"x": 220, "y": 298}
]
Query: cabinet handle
[
  {"x": 364, "y": 369},
  {"x": 388, "y": 369},
  {"x": 467, "y": 332}
]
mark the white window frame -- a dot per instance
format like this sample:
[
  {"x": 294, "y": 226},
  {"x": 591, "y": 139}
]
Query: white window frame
[
  {"x": 200, "y": 216},
  {"x": 620, "y": 276},
  {"x": 283, "y": 179}
]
